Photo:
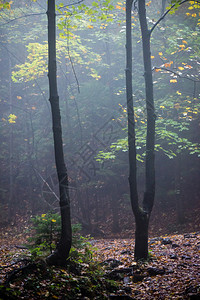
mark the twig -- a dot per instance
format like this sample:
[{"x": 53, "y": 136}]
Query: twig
[
  {"x": 163, "y": 16},
  {"x": 75, "y": 3},
  {"x": 52, "y": 192},
  {"x": 29, "y": 15},
  {"x": 175, "y": 73},
  {"x": 14, "y": 263}
]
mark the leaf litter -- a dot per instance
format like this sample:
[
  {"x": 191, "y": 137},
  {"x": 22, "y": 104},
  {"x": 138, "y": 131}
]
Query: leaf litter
[{"x": 171, "y": 272}]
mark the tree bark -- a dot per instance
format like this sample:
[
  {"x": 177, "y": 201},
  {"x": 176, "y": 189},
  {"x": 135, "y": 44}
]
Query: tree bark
[
  {"x": 62, "y": 251},
  {"x": 142, "y": 215},
  {"x": 130, "y": 111},
  {"x": 11, "y": 136},
  {"x": 150, "y": 139}
]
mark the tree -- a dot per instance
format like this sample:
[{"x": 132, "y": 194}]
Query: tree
[
  {"x": 142, "y": 214},
  {"x": 64, "y": 245}
]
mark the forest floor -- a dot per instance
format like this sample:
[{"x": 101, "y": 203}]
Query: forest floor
[{"x": 172, "y": 271}]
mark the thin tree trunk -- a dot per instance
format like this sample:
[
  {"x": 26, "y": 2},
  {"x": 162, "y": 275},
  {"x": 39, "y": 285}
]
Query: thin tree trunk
[
  {"x": 64, "y": 245},
  {"x": 149, "y": 195},
  {"x": 142, "y": 215},
  {"x": 150, "y": 139},
  {"x": 131, "y": 121},
  {"x": 178, "y": 191},
  {"x": 138, "y": 213},
  {"x": 11, "y": 181}
]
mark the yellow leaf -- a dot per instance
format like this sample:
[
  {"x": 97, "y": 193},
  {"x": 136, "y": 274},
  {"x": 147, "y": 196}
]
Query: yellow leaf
[
  {"x": 19, "y": 97},
  {"x": 173, "y": 80},
  {"x": 178, "y": 93},
  {"x": 157, "y": 70},
  {"x": 147, "y": 4},
  {"x": 12, "y": 118},
  {"x": 43, "y": 215},
  {"x": 152, "y": 56},
  {"x": 162, "y": 106},
  {"x": 191, "y": 7},
  {"x": 160, "y": 53},
  {"x": 53, "y": 220},
  {"x": 184, "y": 42},
  {"x": 181, "y": 68},
  {"x": 90, "y": 26},
  {"x": 194, "y": 15}
]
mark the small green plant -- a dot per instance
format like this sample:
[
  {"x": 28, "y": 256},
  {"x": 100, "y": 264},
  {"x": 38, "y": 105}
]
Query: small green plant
[
  {"x": 45, "y": 234},
  {"x": 83, "y": 253}
]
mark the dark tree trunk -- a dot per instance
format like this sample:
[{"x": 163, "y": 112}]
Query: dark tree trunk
[
  {"x": 142, "y": 215},
  {"x": 131, "y": 121},
  {"x": 150, "y": 139},
  {"x": 62, "y": 251},
  {"x": 11, "y": 162},
  {"x": 178, "y": 191},
  {"x": 141, "y": 236}
]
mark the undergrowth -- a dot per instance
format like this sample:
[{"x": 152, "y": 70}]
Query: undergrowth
[{"x": 82, "y": 277}]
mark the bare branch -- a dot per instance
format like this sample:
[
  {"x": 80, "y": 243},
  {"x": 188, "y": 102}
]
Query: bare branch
[
  {"x": 164, "y": 15},
  {"x": 75, "y": 3},
  {"x": 24, "y": 16},
  {"x": 175, "y": 73}
]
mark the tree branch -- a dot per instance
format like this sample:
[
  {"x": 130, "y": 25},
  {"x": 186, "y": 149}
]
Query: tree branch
[
  {"x": 24, "y": 16},
  {"x": 75, "y": 3},
  {"x": 175, "y": 73},
  {"x": 164, "y": 15}
]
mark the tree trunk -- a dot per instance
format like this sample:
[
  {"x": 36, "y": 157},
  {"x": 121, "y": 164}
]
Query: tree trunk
[
  {"x": 11, "y": 207},
  {"x": 142, "y": 215},
  {"x": 64, "y": 245},
  {"x": 178, "y": 191},
  {"x": 130, "y": 111},
  {"x": 141, "y": 236},
  {"x": 150, "y": 139}
]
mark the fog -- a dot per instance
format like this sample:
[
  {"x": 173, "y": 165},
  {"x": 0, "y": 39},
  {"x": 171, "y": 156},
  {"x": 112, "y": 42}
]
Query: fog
[{"x": 91, "y": 87}]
